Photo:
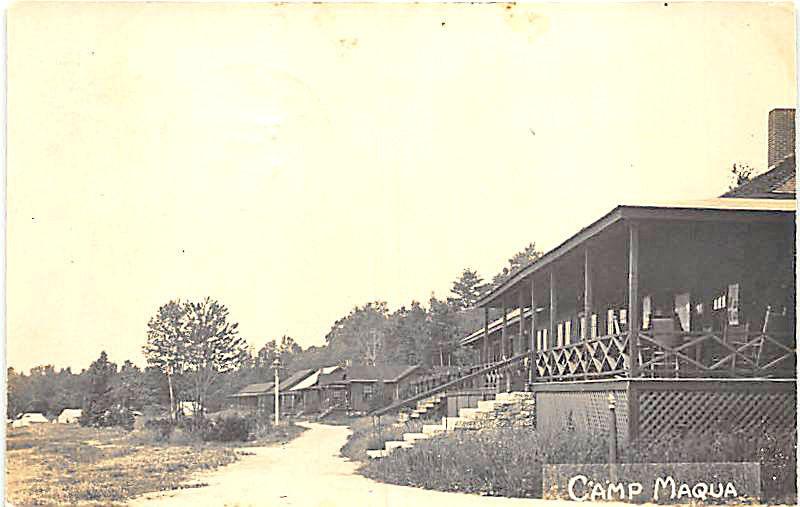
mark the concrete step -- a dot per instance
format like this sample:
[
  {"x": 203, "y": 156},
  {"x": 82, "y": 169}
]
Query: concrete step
[
  {"x": 486, "y": 405},
  {"x": 397, "y": 444},
  {"x": 433, "y": 429},
  {"x": 414, "y": 415},
  {"x": 467, "y": 412},
  {"x": 377, "y": 453},
  {"x": 413, "y": 437}
]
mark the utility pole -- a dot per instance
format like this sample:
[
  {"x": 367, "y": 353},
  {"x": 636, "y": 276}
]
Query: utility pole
[{"x": 277, "y": 365}]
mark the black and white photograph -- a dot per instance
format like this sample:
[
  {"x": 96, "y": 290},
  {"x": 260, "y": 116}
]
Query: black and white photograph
[{"x": 332, "y": 254}]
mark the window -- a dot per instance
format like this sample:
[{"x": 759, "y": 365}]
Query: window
[
  {"x": 369, "y": 390},
  {"x": 568, "y": 332},
  {"x": 560, "y": 335},
  {"x": 594, "y": 325}
]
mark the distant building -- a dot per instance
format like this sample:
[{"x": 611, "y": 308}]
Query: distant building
[
  {"x": 69, "y": 416},
  {"x": 29, "y": 418}
]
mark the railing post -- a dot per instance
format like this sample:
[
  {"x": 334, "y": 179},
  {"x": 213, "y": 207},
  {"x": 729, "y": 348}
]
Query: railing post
[
  {"x": 633, "y": 298},
  {"x": 486, "y": 335},
  {"x": 521, "y": 319},
  {"x": 534, "y": 370},
  {"x": 553, "y": 308},
  {"x": 587, "y": 294},
  {"x": 504, "y": 333}
]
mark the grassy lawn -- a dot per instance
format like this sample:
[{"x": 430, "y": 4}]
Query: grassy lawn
[{"x": 55, "y": 464}]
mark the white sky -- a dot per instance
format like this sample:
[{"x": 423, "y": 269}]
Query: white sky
[{"x": 294, "y": 161}]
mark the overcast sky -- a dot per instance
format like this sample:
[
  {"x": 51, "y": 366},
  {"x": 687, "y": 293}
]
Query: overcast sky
[{"x": 295, "y": 161}]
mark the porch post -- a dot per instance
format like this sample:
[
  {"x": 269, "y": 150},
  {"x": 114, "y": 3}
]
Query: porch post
[
  {"x": 486, "y": 335},
  {"x": 553, "y": 308},
  {"x": 504, "y": 335},
  {"x": 533, "y": 372},
  {"x": 633, "y": 298},
  {"x": 521, "y": 340},
  {"x": 587, "y": 294}
]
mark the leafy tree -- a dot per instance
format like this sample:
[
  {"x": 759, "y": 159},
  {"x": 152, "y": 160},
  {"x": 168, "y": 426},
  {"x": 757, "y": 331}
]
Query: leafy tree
[
  {"x": 362, "y": 335},
  {"x": 444, "y": 332},
  {"x": 196, "y": 343},
  {"x": 213, "y": 346},
  {"x": 99, "y": 400},
  {"x": 410, "y": 333},
  {"x": 166, "y": 344},
  {"x": 128, "y": 389},
  {"x": 18, "y": 393}
]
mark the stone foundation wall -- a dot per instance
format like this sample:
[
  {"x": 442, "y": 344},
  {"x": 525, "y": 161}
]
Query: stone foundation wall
[{"x": 519, "y": 412}]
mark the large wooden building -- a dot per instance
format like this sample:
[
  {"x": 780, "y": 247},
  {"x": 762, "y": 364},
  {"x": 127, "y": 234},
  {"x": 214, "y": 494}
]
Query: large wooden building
[{"x": 684, "y": 313}]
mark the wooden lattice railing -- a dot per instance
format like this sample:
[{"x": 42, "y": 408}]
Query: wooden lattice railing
[
  {"x": 673, "y": 355},
  {"x": 710, "y": 354},
  {"x": 604, "y": 356}
]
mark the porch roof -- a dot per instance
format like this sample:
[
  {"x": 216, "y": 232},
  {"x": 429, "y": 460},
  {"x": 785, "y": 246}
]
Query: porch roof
[
  {"x": 312, "y": 379},
  {"x": 717, "y": 209},
  {"x": 254, "y": 390},
  {"x": 495, "y": 326}
]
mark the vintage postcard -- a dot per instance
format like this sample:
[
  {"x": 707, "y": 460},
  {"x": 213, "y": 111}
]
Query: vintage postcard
[{"x": 373, "y": 254}]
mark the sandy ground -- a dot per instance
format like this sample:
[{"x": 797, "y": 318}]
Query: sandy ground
[{"x": 309, "y": 471}]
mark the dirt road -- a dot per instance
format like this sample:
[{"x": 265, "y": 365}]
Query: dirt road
[{"x": 310, "y": 472}]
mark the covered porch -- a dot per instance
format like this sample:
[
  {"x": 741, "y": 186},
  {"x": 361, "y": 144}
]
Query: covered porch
[{"x": 693, "y": 290}]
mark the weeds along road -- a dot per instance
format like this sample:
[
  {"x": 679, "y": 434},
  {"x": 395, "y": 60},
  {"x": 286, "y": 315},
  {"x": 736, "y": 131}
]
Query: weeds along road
[{"x": 309, "y": 471}]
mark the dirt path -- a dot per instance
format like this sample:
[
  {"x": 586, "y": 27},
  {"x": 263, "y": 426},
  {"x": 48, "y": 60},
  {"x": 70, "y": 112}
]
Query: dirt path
[{"x": 309, "y": 471}]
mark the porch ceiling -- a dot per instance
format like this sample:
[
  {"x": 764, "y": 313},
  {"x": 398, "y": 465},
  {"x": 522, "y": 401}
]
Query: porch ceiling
[{"x": 709, "y": 210}]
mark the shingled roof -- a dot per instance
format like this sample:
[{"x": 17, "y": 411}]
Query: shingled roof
[
  {"x": 254, "y": 390},
  {"x": 777, "y": 183}
]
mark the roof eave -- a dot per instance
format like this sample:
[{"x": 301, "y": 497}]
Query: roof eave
[{"x": 575, "y": 240}]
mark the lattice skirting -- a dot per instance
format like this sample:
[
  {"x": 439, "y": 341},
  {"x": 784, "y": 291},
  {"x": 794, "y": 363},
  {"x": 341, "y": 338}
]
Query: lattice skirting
[
  {"x": 586, "y": 411},
  {"x": 700, "y": 412}
]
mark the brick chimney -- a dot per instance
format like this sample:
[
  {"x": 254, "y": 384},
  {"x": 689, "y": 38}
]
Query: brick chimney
[{"x": 780, "y": 138}]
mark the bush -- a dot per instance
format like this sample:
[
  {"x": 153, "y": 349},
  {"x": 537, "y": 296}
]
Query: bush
[
  {"x": 231, "y": 428},
  {"x": 502, "y": 462},
  {"x": 775, "y": 451},
  {"x": 116, "y": 415},
  {"x": 508, "y": 461},
  {"x": 163, "y": 428}
]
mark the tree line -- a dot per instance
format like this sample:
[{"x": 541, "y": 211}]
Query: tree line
[{"x": 194, "y": 352}]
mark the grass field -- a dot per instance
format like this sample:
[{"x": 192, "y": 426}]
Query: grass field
[{"x": 55, "y": 464}]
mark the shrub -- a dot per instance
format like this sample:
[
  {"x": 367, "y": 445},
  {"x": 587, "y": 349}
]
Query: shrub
[
  {"x": 229, "y": 428},
  {"x": 775, "y": 451},
  {"x": 508, "y": 461},
  {"x": 503, "y": 462},
  {"x": 163, "y": 428}
]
